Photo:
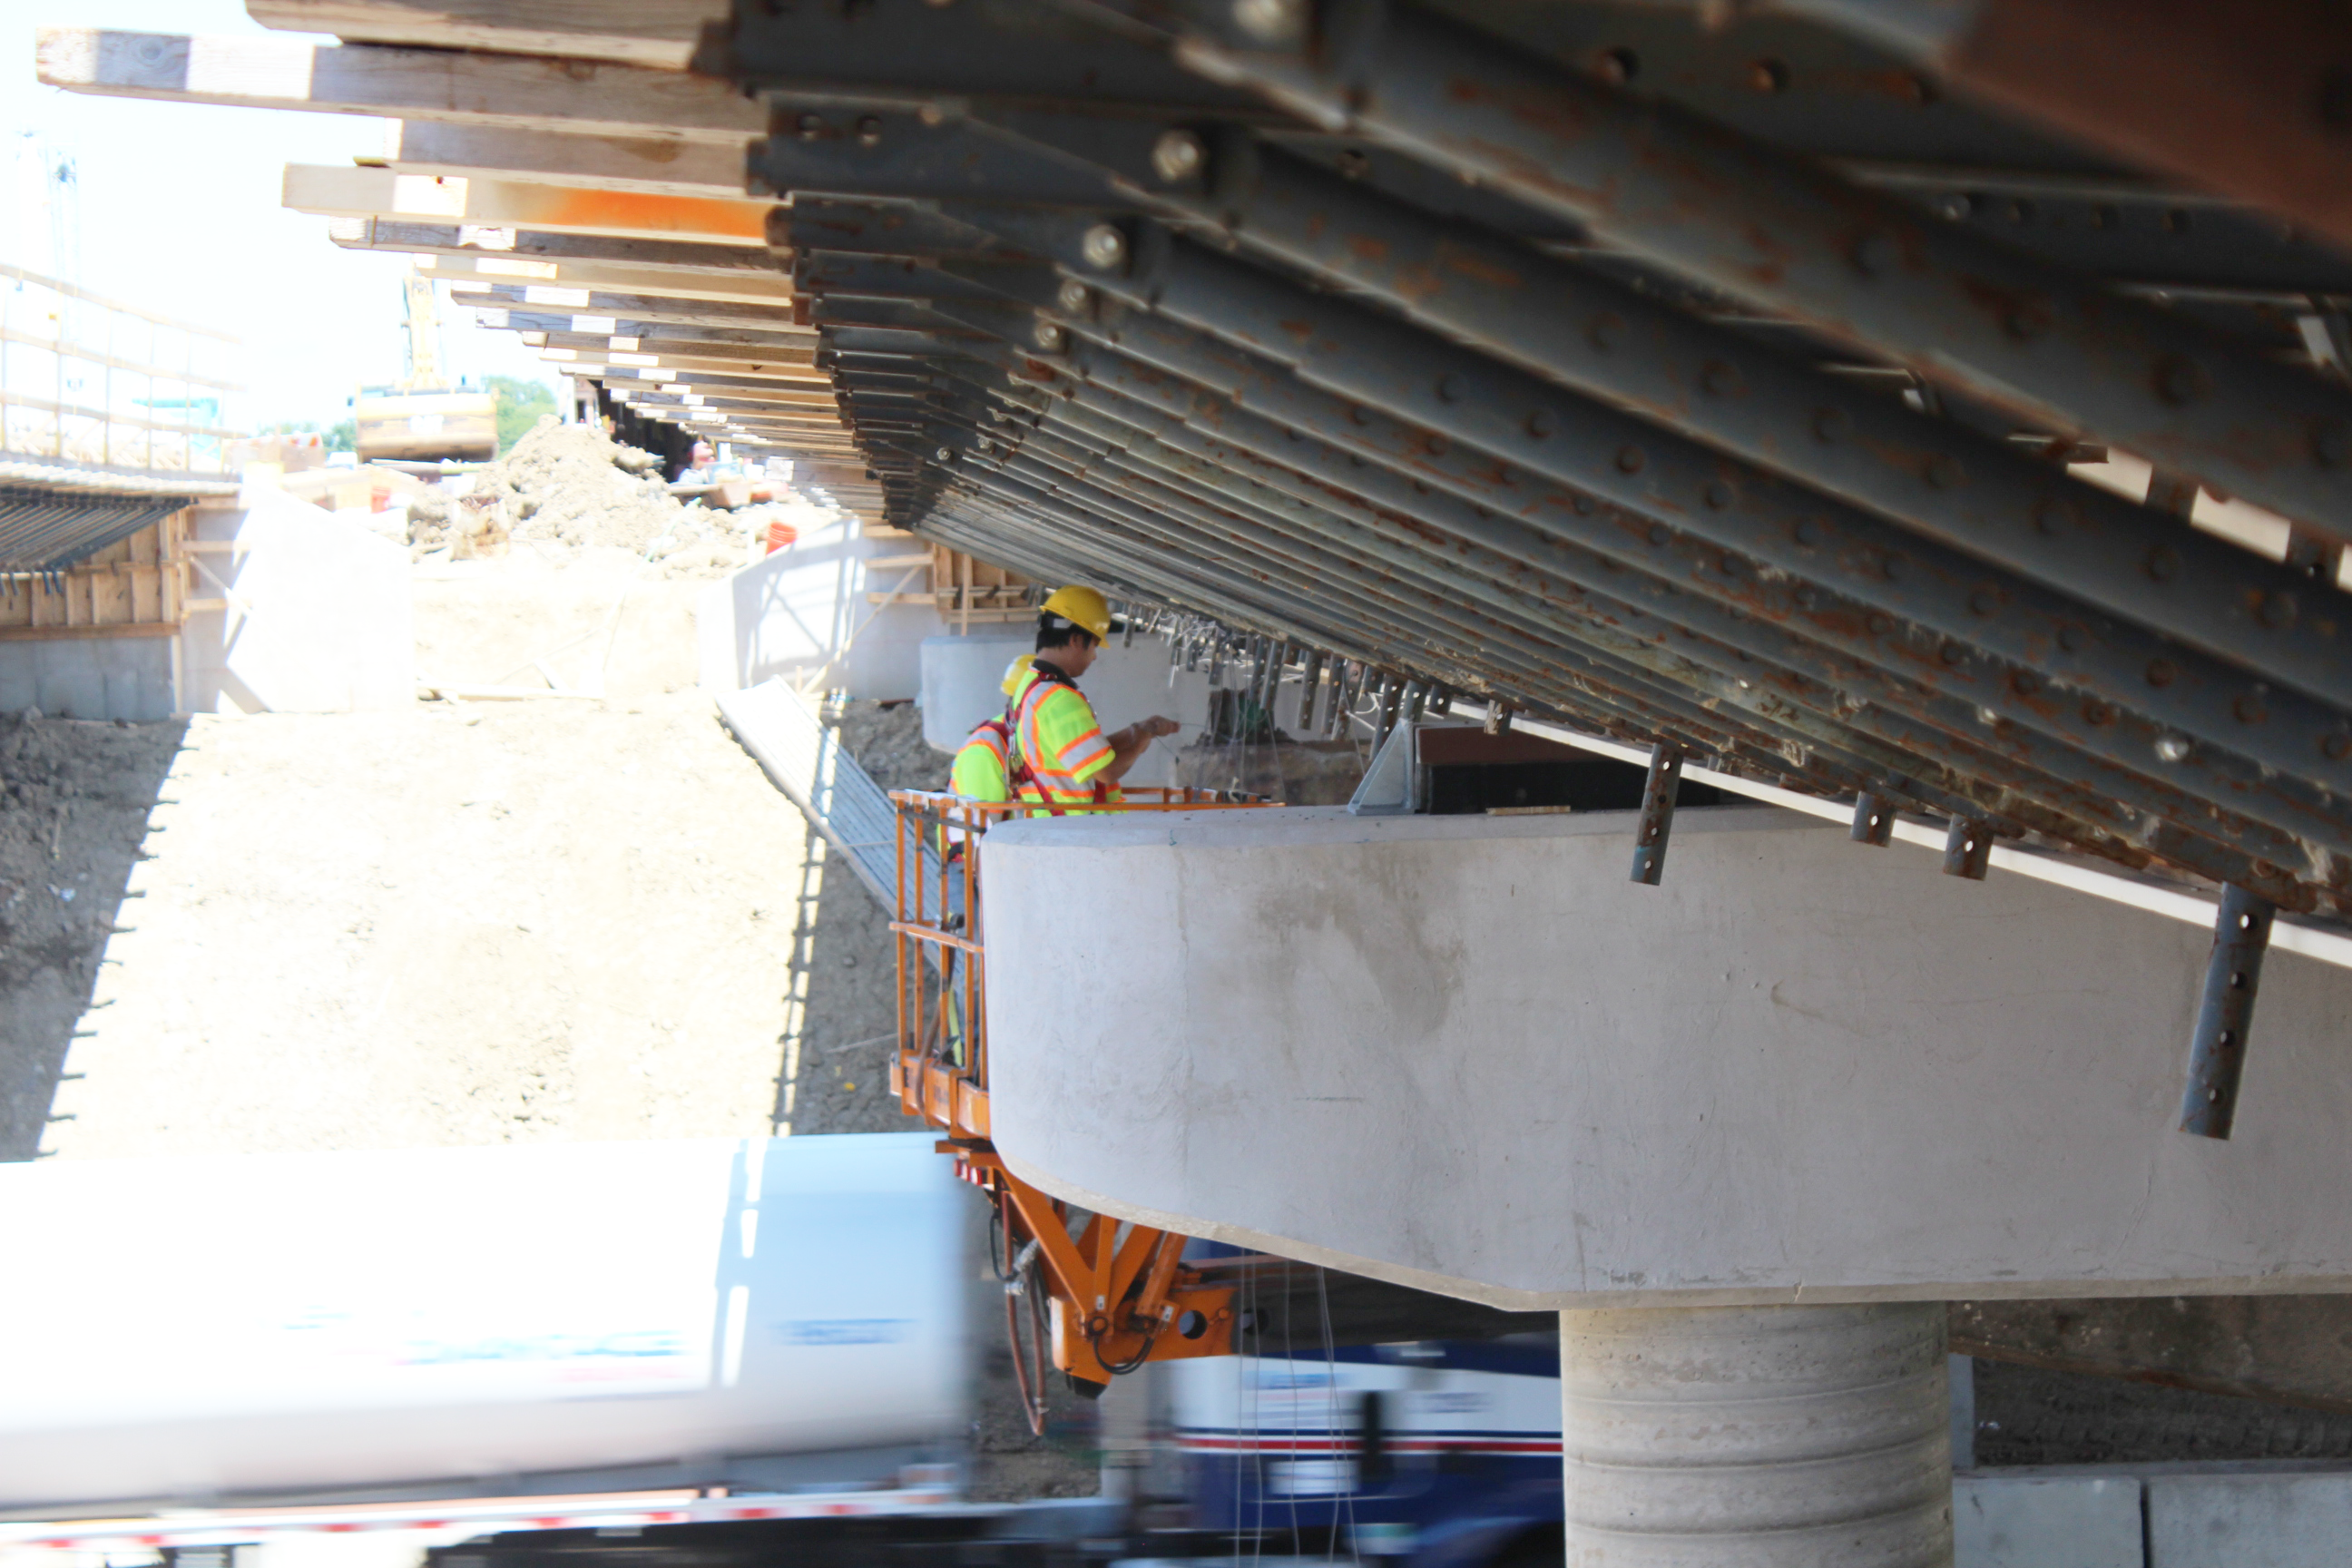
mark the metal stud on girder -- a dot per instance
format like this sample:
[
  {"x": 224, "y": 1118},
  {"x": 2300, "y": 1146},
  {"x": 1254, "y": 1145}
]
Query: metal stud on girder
[
  {"x": 2217, "y": 1051},
  {"x": 1657, "y": 811},
  {"x": 1967, "y": 848},
  {"x": 1874, "y": 821}
]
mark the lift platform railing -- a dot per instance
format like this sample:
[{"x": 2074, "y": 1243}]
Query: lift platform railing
[{"x": 1102, "y": 1297}]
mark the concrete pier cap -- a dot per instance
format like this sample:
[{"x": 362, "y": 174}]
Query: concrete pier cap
[
  {"x": 1466, "y": 1052},
  {"x": 1749, "y": 1130}
]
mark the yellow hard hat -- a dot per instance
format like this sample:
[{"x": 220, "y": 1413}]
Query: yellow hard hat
[
  {"x": 1083, "y": 607},
  {"x": 1014, "y": 672}
]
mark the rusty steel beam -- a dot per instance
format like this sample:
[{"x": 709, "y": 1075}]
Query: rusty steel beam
[
  {"x": 1794, "y": 236},
  {"x": 1636, "y": 543}
]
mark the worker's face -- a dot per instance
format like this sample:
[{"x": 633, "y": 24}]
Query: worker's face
[{"x": 1075, "y": 655}]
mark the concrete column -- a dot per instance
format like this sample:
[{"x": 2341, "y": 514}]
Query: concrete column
[{"x": 1759, "y": 1437}]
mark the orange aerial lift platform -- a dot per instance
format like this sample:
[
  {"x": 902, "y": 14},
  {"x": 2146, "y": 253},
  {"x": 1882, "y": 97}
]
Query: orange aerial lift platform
[{"x": 1102, "y": 1297}]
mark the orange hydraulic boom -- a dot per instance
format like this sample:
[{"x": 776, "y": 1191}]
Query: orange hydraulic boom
[{"x": 1103, "y": 1295}]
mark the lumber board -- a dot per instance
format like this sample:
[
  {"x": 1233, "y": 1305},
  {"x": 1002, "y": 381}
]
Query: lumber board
[
  {"x": 649, "y": 165},
  {"x": 783, "y": 344},
  {"x": 509, "y": 295},
  {"x": 334, "y": 192},
  {"x": 658, "y": 33},
  {"x": 534, "y": 245},
  {"x": 511, "y": 92},
  {"x": 111, "y": 629},
  {"x": 664, "y": 344},
  {"x": 742, "y": 288}
]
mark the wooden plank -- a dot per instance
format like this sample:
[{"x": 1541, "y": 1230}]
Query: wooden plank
[
  {"x": 657, "y": 256},
  {"x": 797, "y": 352},
  {"x": 561, "y": 282},
  {"x": 62, "y": 632},
  {"x": 659, "y": 165},
  {"x": 508, "y": 91},
  {"x": 509, "y": 295},
  {"x": 335, "y": 191},
  {"x": 661, "y": 35}
]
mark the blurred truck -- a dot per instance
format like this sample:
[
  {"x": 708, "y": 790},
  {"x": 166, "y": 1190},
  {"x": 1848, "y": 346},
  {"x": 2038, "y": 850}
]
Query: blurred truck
[{"x": 752, "y": 1314}]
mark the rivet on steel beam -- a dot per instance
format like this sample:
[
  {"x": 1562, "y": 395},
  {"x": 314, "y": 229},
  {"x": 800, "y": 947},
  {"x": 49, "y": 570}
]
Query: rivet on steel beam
[
  {"x": 1074, "y": 297},
  {"x": 2217, "y": 1051},
  {"x": 1049, "y": 336},
  {"x": 869, "y": 131},
  {"x": 1967, "y": 848},
  {"x": 1657, "y": 811},
  {"x": 1874, "y": 821},
  {"x": 944, "y": 454},
  {"x": 1104, "y": 246},
  {"x": 1498, "y": 717},
  {"x": 1178, "y": 156}
]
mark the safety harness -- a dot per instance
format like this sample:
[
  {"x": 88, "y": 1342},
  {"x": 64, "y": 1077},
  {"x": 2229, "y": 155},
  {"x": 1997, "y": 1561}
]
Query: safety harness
[{"x": 1017, "y": 770}]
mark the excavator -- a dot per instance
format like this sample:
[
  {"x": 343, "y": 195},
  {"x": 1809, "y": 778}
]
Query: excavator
[{"x": 422, "y": 417}]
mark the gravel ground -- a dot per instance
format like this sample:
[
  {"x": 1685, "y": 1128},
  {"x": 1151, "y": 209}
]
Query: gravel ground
[{"x": 505, "y": 921}]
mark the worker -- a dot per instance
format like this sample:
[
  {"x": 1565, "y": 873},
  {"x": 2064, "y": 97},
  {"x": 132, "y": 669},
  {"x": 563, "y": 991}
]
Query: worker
[
  {"x": 1059, "y": 756},
  {"x": 978, "y": 773}
]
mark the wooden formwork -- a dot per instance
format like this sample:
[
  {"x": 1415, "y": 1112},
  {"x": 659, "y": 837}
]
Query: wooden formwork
[{"x": 137, "y": 588}]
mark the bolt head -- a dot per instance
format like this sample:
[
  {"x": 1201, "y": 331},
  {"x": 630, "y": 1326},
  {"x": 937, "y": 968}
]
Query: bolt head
[
  {"x": 1178, "y": 156},
  {"x": 1104, "y": 246},
  {"x": 1075, "y": 297},
  {"x": 1047, "y": 335},
  {"x": 2172, "y": 748},
  {"x": 944, "y": 455}
]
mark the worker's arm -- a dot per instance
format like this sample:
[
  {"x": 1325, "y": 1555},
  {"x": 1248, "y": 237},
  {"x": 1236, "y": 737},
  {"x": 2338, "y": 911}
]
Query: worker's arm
[{"x": 1127, "y": 745}]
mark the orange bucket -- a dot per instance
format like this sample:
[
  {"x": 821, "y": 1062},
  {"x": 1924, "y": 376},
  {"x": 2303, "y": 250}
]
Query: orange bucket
[{"x": 780, "y": 534}]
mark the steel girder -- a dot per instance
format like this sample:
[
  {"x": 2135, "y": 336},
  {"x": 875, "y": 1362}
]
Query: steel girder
[
  {"x": 2066, "y": 531},
  {"x": 1615, "y": 484}
]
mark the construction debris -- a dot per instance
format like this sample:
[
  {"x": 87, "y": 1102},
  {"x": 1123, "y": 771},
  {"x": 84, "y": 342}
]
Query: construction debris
[{"x": 571, "y": 486}]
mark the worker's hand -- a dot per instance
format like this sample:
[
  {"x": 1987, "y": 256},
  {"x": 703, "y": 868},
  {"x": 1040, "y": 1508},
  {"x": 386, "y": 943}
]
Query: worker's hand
[{"x": 1156, "y": 725}]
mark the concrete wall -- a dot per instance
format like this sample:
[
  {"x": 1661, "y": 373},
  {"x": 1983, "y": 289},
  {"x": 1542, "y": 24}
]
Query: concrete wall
[
  {"x": 319, "y": 618},
  {"x": 2230, "y": 1517},
  {"x": 1466, "y": 1053},
  {"x": 793, "y": 613},
  {"x": 90, "y": 678},
  {"x": 960, "y": 678},
  {"x": 318, "y": 621}
]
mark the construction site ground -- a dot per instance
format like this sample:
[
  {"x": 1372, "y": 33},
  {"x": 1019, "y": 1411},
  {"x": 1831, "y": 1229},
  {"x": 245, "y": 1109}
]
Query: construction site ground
[{"x": 460, "y": 923}]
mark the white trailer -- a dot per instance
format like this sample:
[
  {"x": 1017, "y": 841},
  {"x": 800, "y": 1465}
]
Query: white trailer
[{"x": 750, "y": 1313}]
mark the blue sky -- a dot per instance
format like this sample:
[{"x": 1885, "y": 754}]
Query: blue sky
[{"x": 178, "y": 213}]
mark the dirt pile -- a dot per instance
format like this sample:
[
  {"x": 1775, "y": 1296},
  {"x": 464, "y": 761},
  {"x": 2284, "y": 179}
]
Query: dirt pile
[{"x": 571, "y": 487}]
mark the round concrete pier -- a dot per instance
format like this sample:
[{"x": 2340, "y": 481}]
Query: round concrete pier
[{"x": 1761, "y": 1436}]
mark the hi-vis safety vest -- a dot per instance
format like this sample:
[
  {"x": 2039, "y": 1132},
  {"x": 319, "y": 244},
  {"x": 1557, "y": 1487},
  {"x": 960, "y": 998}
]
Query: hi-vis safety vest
[
  {"x": 1057, "y": 747},
  {"x": 980, "y": 769}
]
